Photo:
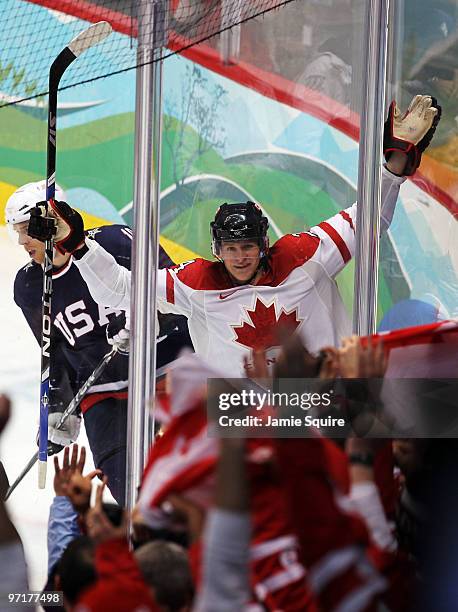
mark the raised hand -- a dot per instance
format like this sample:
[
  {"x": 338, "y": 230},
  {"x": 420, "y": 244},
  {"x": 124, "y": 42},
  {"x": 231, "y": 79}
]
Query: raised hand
[
  {"x": 67, "y": 226},
  {"x": 5, "y": 410},
  {"x": 409, "y": 134},
  {"x": 188, "y": 512},
  {"x": 72, "y": 466},
  {"x": 98, "y": 525},
  {"x": 358, "y": 361}
]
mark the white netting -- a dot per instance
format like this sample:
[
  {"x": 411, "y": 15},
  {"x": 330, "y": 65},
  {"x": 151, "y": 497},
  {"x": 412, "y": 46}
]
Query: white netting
[{"x": 29, "y": 39}]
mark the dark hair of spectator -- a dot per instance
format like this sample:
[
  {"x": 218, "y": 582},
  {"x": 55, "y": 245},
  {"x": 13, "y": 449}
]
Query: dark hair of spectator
[
  {"x": 76, "y": 568},
  {"x": 166, "y": 570}
]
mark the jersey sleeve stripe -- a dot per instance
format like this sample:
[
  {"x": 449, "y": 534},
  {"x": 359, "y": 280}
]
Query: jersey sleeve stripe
[
  {"x": 347, "y": 218},
  {"x": 337, "y": 239},
  {"x": 169, "y": 288},
  {"x": 95, "y": 398}
]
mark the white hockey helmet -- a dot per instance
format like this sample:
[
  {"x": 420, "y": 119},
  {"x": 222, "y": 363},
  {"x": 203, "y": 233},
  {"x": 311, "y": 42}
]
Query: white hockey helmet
[{"x": 21, "y": 202}]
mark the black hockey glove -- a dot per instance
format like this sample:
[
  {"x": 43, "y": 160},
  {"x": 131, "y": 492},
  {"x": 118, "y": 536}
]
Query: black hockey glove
[
  {"x": 118, "y": 332},
  {"x": 412, "y": 132},
  {"x": 41, "y": 227},
  {"x": 68, "y": 226},
  {"x": 54, "y": 449}
]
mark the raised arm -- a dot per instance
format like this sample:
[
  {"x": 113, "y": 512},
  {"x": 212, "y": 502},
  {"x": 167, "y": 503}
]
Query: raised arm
[
  {"x": 405, "y": 139},
  {"x": 108, "y": 281}
]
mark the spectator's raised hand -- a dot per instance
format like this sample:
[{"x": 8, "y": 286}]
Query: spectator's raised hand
[
  {"x": 294, "y": 360},
  {"x": 258, "y": 368},
  {"x": 72, "y": 466},
  {"x": 362, "y": 361},
  {"x": 98, "y": 525},
  {"x": 330, "y": 365},
  {"x": 79, "y": 490},
  {"x": 5, "y": 409},
  {"x": 187, "y": 512},
  {"x": 8, "y": 532}
]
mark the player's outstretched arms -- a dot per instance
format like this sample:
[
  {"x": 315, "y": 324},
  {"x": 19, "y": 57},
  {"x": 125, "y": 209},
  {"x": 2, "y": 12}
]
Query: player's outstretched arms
[{"x": 406, "y": 136}]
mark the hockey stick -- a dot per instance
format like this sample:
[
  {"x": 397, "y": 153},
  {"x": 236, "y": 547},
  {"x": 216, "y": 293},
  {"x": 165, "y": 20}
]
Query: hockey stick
[
  {"x": 91, "y": 36},
  {"x": 71, "y": 409}
]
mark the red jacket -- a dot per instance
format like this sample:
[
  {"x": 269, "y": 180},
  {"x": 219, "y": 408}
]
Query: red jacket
[{"x": 120, "y": 586}]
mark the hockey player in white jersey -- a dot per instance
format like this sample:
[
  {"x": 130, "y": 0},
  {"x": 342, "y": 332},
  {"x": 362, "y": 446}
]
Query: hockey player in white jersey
[{"x": 238, "y": 303}]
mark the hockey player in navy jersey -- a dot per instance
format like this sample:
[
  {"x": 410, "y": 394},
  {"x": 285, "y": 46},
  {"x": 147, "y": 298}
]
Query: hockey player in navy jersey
[
  {"x": 236, "y": 305},
  {"x": 79, "y": 337}
]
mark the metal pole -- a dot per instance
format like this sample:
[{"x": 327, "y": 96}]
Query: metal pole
[
  {"x": 369, "y": 170},
  {"x": 394, "y": 50},
  {"x": 145, "y": 244},
  {"x": 229, "y": 39},
  {"x": 155, "y": 229}
]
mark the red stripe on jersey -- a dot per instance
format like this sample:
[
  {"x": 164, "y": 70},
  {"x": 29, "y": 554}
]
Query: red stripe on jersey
[
  {"x": 337, "y": 239},
  {"x": 288, "y": 253},
  {"x": 203, "y": 275},
  {"x": 95, "y": 398},
  {"x": 347, "y": 218},
  {"x": 60, "y": 271},
  {"x": 169, "y": 289}
]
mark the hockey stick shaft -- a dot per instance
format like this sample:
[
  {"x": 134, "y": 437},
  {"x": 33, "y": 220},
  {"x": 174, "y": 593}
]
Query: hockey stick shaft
[
  {"x": 71, "y": 409},
  {"x": 54, "y": 78},
  {"x": 86, "y": 39},
  {"x": 22, "y": 475},
  {"x": 73, "y": 405}
]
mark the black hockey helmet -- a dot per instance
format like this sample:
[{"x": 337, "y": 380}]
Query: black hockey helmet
[{"x": 241, "y": 221}]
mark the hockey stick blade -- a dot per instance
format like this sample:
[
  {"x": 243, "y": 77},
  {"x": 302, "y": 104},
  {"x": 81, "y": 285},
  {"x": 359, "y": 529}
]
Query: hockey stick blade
[{"x": 90, "y": 37}]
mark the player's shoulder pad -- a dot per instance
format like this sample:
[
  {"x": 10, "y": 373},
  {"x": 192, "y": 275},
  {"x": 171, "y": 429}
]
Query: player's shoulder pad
[
  {"x": 201, "y": 274},
  {"x": 116, "y": 239},
  {"x": 300, "y": 245},
  {"x": 30, "y": 271},
  {"x": 28, "y": 283},
  {"x": 109, "y": 233},
  {"x": 290, "y": 252},
  {"x": 187, "y": 268}
]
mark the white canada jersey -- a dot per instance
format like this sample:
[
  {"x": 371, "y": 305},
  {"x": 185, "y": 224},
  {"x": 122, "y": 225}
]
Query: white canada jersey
[{"x": 228, "y": 322}]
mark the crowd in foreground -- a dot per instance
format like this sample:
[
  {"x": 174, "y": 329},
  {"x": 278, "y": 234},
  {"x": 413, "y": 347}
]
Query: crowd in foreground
[{"x": 253, "y": 524}]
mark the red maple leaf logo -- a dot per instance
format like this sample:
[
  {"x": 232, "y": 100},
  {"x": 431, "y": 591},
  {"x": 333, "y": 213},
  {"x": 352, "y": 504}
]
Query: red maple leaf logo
[{"x": 263, "y": 331}]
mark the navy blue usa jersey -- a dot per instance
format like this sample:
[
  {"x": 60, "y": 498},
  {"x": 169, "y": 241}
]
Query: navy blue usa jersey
[{"x": 78, "y": 339}]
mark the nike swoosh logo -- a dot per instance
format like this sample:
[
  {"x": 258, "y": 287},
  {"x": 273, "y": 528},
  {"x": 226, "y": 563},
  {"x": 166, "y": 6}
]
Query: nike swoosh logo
[{"x": 226, "y": 295}]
